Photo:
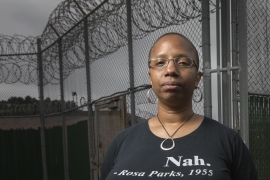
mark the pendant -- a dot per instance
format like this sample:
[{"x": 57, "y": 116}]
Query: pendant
[{"x": 167, "y": 149}]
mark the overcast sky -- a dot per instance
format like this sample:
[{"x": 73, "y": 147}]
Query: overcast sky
[
  {"x": 28, "y": 18},
  {"x": 25, "y": 17}
]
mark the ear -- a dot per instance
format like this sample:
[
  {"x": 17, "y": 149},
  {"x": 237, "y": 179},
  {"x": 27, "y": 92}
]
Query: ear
[{"x": 198, "y": 78}]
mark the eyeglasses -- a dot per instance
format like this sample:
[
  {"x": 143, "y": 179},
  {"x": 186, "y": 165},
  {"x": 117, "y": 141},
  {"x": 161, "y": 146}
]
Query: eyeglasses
[{"x": 181, "y": 62}]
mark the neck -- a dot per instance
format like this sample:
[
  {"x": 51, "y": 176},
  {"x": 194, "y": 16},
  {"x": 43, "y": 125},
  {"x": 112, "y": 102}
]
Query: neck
[{"x": 174, "y": 115}]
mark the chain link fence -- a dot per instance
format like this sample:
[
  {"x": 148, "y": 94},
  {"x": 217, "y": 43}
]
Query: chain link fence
[
  {"x": 69, "y": 84},
  {"x": 86, "y": 57},
  {"x": 258, "y": 18}
]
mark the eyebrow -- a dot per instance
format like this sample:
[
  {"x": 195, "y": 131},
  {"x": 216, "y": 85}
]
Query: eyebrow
[{"x": 164, "y": 56}]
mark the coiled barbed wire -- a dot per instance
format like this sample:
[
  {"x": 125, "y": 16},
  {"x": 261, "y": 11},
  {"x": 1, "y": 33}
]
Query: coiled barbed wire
[{"x": 107, "y": 28}]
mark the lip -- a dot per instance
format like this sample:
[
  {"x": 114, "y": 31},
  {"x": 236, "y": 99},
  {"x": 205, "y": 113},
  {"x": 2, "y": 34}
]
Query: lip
[{"x": 171, "y": 85}]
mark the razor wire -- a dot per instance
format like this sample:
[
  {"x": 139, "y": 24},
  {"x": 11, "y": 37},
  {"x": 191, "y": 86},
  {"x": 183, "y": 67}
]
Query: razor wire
[{"x": 107, "y": 33}]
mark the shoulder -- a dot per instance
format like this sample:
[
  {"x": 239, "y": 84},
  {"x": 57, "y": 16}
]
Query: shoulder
[
  {"x": 232, "y": 146},
  {"x": 217, "y": 129},
  {"x": 132, "y": 131},
  {"x": 138, "y": 126},
  {"x": 211, "y": 123},
  {"x": 128, "y": 138},
  {"x": 223, "y": 137}
]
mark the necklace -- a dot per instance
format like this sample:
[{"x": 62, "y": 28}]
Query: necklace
[{"x": 171, "y": 136}]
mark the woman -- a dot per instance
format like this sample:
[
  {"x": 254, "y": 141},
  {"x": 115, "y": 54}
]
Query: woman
[{"x": 177, "y": 143}]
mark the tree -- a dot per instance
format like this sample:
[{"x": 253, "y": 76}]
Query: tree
[
  {"x": 15, "y": 100},
  {"x": 27, "y": 99}
]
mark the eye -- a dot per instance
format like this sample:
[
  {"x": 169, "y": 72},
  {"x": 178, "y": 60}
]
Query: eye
[
  {"x": 183, "y": 61},
  {"x": 160, "y": 61}
]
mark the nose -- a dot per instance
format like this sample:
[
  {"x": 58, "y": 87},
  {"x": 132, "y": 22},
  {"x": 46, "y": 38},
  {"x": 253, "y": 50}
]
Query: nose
[{"x": 171, "y": 68}]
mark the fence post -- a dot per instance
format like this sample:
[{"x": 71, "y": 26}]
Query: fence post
[
  {"x": 130, "y": 58},
  {"x": 218, "y": 59},
  {"x": 64, "y": 132},
  {"x": 41, "y": 109},
  {"x": 234, "y": 63},
  {"x": 91, "y": 134},
  {"x": 206, "y": 59},
  {"x": 225, "y": 52},
  {"x": 243, "y": 72}
]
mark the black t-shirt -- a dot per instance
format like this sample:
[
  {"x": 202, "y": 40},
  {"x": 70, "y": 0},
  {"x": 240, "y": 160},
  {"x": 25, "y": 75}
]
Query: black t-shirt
[{"x": 213, "y": 152}]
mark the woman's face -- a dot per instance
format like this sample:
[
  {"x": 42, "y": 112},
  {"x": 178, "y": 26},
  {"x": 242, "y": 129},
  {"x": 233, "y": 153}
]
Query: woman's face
[{"x": 172, "y": 83}]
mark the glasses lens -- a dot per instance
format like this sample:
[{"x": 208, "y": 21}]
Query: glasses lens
[
  {"x": 158, "y": 62},
  {"x": 163, "y": 62},
  {"x": 183, "y": 61}
]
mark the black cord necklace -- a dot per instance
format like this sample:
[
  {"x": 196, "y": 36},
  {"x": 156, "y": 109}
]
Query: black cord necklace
[{"x": 171, "y": 136}]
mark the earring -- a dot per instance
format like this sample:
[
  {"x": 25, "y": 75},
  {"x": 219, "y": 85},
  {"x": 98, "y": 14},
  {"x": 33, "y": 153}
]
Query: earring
[
  {"x": 201, "y": 95},
  {"x": 148, "y": 97}
]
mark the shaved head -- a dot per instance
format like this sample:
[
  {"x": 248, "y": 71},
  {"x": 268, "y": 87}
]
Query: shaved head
[{"x": 189, "y": 43}]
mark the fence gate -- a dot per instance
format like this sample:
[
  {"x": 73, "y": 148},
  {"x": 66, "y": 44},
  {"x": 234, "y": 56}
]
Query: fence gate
[{"x": 110, "y": 118}]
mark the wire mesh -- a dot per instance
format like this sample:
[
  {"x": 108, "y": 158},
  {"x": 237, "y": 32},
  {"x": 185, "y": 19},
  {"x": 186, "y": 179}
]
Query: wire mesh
[
  {"x": 20, "y": 148},
  {"x": 75, "y": 84},
  {"x": 54, "y": 147},
  {"x": 144, "y": 109},
  {"x": 51, "y": 80},
  {"x": 258, "y": 18},
  {"x": 260, "y": 134},
  {"x": 109, "y": 74},
  {"x": 17, "y": 73},
  {"x": 78, "y": 155}
]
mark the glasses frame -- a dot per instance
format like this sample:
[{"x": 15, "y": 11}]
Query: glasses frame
[{"x": 168, "y": 60}]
